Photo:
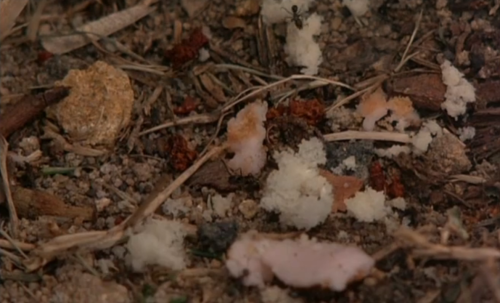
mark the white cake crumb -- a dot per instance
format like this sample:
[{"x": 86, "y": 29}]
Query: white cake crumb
[
  {"x": 297, "y": 191},
  {"x": 159, "y": 242},
  {"x": 368, "y": 205},
  {"x": 459, "y": 91}
]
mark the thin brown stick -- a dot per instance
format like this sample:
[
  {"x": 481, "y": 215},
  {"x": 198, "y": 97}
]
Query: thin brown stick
[
  {"x": 362, "y": 135},
  {"x": 12, "y": 243},
  {"x": 426, "y": 249},
  {"x": 17, "y": 115},
  {"x": 14, "y": 221},
  {"x": 9, "y": 245},
  {"x": 199, "y": 119}
]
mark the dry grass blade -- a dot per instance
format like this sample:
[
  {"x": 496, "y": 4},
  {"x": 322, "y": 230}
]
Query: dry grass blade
[
  {"x": 34, "y": 23},
  {"x": 377, "y": 82},
  {"x": 12, "y": 245},
  {"x": 10, "y": 255},
  {"x": 468, "y": 179},
  {"x": 223, "y": 66},
  {"x": 9, "y": 11},
  {"x": 200, "y": 119},
  {"x": 404, "y": 58},
  {"x": 263, "y": 89},
  {"x": 362, "y": 135},
  {"x": 425, "y": 249},
  {"x": 96, "y": 29},
  {"x": 4, "y": 147}
]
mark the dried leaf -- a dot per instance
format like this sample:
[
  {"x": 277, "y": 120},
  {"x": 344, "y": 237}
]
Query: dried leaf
[
  {"x": 344, "y": 187},
  {"x": 4, "y": 147},
  {"x": 9, "y": 11},
  {"x": 96, "y": 30},
  {"x": 216, "y": 91},
  {"x": 489, "y": 92},
  {"x": 232, "y": 22},
  {"x": 34, "y": 203}
]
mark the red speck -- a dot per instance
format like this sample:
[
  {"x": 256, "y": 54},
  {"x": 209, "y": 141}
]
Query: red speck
[
  {"x": 188, "y": 106},
  {"x": 44, "y": 56},
  {"x": 188, "y": 49},
  {"x": 396, "y": 189},
  {"x": 377, "y": 176}
]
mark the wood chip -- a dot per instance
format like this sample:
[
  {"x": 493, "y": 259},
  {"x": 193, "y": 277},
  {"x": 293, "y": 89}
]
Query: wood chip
[
  {"x": 4, "y": 147},
  {"x": 489, "y": 92},
  {"x": 425, "y": 90},
  {"x": 25, "y": 110},
  {"x": 97, "y": 29},
  {"x": 34, "y": 203},
  {"x": 213, "y": 174},
  {"x": 232, "y": 22},
  {"x": 216, "y": 91}
]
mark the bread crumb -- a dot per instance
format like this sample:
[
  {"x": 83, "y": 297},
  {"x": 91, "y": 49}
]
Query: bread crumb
[
  {"x": 466, "y": 133},
  {"x": 368, "y": 205},
  {"x": 372, "y": 108},
  {"x": 301, "y": 48},
  {"x": 402, "y": 112},
  {"x": 459, "y": 91},
  {"x": 158, "y": 242},
  {"x": 423, "y": 138},
  {"x": 246, "y": 134},
  {"x": 297, "y": 191},
  {"x": 221, "y": 205}
]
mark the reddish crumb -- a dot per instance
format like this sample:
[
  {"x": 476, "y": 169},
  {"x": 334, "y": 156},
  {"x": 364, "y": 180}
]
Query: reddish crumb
[
  {"x": 180, "y": 155},
  {"x": 188, "y": 106},
  {"x": 44, "y": 56},
  {"x": 377, "y": 176},
  {"x": 119, "y": 220},
  {"x": 312, "y": 111},
  {"x": 389, "y": 183},
  {"x": 395, "y": 189},
  {"x": 275, "y": 112},
  {"x": 188, "y": 49}
]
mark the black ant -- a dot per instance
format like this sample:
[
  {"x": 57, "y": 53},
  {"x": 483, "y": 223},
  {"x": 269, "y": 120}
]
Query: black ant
[
  {"x": 296, "y": 16},
  {"x": 249, "y": 183}
]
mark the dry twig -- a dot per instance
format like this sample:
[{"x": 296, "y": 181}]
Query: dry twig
[
  {"x": 17, "y": 115},
  {"x": 4, "y": 147}
]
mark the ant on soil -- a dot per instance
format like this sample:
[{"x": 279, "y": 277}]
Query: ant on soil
[
  {"x": 250, "y": 183},
  {"x": 296, "y": 16}
]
